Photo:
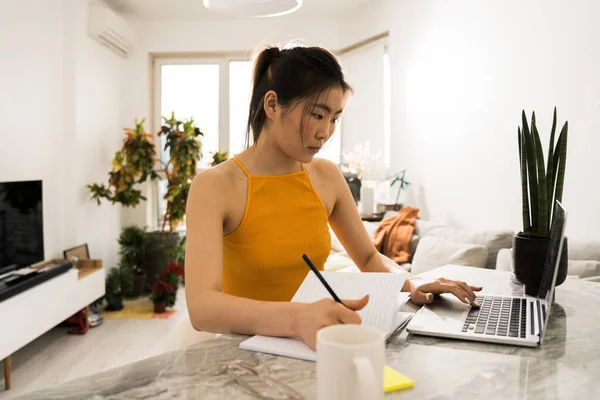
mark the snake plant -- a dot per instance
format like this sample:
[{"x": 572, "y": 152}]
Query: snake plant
[{"x": 541, "y": 185}]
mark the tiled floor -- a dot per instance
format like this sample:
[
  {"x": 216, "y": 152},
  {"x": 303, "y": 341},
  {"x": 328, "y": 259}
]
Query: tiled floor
[{"x": 58, "y": 357}]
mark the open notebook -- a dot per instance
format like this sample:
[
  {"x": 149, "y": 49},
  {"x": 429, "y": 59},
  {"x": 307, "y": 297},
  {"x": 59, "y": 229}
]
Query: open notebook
[{"x": 382, "y": 311}]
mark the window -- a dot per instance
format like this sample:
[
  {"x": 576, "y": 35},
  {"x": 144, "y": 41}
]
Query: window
[
  {"x": 192, "y": 91},
  {"x": 216, "y": 93},
  {"x": 368, "y": 113},
  {"x": 240, "y": 89}
]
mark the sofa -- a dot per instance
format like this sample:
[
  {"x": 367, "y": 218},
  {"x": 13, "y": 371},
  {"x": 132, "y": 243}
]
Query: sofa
[
  {"x": 434, "y": 245},
  {"x": 583, "y": 262}
]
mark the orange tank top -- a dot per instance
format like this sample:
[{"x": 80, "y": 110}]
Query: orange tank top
[{"x": 284, "y": 218}]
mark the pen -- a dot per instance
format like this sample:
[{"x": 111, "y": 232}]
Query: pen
[{"x": 323, "y": 281}]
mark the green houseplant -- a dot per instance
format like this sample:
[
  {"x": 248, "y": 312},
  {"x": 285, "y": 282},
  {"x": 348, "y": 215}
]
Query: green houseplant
[
  {"x": 178, "y": 254},
  {"x": 132, "y": 165},
  {"x": 132, "y": 242},
  {"x": 219, "y": 157},
  {"x": 542, "y": 184},
  {"x": 403, "y": 184},
  {"x": 164, "y": 290},
  {"x": 137, "y": 162},
  {"x": 184, "y": 148},
  {"x": 118, "y": 282}
]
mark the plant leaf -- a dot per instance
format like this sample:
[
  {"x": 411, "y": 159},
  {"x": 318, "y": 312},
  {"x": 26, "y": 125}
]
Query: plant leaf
[
  {"x": 525, "y": 195},
  {"x": 542, "y": 187},
  {"x": 532, "y": 174},
  {"x": 562, "y": 162},
  {"x": 550, "y": 172}
]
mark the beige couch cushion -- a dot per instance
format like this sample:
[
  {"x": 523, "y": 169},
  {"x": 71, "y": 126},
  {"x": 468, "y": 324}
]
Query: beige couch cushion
[
  {"x": 504, "y": 260},
  {"x": 576, "y": 268},
  {"x": 422, "y": 227},
  {"x": 584, "y": 268},
  {"x": 584, "y": 250},
  {"x": 492, "y": 240},
  {"x": 433, "y": 252}
]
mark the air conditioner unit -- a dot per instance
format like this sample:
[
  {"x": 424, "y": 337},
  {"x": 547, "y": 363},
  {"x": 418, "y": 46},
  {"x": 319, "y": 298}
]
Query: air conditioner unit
[{"x": 110, "y": 29}]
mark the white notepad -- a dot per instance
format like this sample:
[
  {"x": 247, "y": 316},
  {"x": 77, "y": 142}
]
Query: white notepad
[{"x": 381, "y": 312}]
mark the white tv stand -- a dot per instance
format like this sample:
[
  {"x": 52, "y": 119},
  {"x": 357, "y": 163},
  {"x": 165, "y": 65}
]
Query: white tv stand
[{"x": 31, "y": 313}]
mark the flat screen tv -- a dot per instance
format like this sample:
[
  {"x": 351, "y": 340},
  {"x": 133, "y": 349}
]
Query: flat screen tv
[{"x": 21, "y": 224}]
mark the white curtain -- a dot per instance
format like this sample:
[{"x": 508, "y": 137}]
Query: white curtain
[{"x": 364, "y": 118}]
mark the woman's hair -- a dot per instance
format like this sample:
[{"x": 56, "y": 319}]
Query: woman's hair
[{"x": 295, "y": 74}]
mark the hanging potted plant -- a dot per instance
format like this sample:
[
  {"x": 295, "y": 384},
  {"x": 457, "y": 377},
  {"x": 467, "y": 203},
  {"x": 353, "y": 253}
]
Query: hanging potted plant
[
  {"x": 132, "y": 242},
  {"x": 540, "y": 186}
]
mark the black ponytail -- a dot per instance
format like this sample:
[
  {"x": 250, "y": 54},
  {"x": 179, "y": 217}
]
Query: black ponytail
[{"x": 295, "y": 74}]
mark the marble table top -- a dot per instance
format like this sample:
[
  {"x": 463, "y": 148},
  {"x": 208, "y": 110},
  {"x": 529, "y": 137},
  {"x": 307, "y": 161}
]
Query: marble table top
[{"x": 566, "y": 366}]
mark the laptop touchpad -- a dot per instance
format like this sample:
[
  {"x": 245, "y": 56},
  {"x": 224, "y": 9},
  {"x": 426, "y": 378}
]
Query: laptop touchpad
[{"x": 445, "y": 313}]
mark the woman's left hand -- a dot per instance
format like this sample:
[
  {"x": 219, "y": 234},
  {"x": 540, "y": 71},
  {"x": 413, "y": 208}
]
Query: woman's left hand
[{"x": 422, "y": 292}]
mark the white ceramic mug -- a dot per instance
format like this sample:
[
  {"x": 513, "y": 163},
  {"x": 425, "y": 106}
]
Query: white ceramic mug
[{"x": 350, "y": 362}]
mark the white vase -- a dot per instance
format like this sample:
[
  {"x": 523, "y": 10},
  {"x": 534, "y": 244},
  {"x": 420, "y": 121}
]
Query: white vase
[{"x": 367, "y": 200}]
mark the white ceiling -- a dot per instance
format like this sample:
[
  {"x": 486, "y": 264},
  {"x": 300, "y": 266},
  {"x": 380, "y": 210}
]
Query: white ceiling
[{"x": 194, "y": 9}]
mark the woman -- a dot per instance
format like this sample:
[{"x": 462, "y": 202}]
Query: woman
[{"x": 251, "y": 218}]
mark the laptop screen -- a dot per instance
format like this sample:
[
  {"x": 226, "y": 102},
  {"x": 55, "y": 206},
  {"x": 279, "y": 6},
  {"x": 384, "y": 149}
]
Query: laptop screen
[{"x": 555, "y": 246}]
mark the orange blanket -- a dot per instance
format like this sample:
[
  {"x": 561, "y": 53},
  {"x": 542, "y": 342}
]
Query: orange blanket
[{"x": 393, "y": 235}]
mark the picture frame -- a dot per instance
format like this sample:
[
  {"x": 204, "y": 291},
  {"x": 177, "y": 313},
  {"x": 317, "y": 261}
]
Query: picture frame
[{"x": 82, "y": 252}]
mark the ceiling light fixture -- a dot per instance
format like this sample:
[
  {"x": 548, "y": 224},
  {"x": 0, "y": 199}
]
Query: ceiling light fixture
[{"x": 253, "y": 8}]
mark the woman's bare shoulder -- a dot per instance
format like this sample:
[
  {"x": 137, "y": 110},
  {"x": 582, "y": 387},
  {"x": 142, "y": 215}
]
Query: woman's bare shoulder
[
  {"x": 219, "y": 182},
  {"x": 220, "y": 179},
  {"x": 324, "y": 169}
]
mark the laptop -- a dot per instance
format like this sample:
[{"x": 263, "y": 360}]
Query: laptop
[{"x": 513, "y": 320}]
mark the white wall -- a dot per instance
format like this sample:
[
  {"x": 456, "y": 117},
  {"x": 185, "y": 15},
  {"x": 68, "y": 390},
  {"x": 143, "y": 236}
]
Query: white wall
[
  {"x": 205, "y": 36},
  {"x": 31, "y": 108},
  {"x": 60, "y": 112},
  {"x": 99, "y": 133},
  {"x": 461, "y": 73}
]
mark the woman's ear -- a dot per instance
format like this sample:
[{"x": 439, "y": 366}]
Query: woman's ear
[{"x": 270, "y": 105}]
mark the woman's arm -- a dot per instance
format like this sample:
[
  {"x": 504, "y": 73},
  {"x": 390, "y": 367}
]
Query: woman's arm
[
  {"x": 346, "y": 223},
  {"x": 209, "y": 309},
  {"x": 213, "y": 311}
]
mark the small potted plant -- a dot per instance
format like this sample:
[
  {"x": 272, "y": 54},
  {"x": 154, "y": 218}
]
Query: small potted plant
[
  {"x": 541, "y": 185},
  {"x": 164, "y": 290},
  {"x": 118, "y": 282},
  {"x": 132, "y": 242},
  {"x": 163, "y": 294},
  {"x": 403, "y": 184}
]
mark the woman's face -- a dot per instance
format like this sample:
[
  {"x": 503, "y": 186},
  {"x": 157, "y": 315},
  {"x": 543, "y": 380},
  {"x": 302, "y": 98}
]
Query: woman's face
[{"x": 302, "y": 143}]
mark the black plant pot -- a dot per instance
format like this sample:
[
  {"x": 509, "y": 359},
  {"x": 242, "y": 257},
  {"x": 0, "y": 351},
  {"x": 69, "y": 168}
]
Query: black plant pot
[
  {"x": 158, "y": 249},
  {"x": 139, "y": 282},
  {"x": 529, "y": 257},
  {"x": 116, "y": 305}
]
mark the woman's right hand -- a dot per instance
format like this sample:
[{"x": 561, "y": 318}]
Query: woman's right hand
[{"x": 323, "y": 313}]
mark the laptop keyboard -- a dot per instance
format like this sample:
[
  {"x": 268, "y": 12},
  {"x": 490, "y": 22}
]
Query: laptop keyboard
[{"x": 498, "y": 316}]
